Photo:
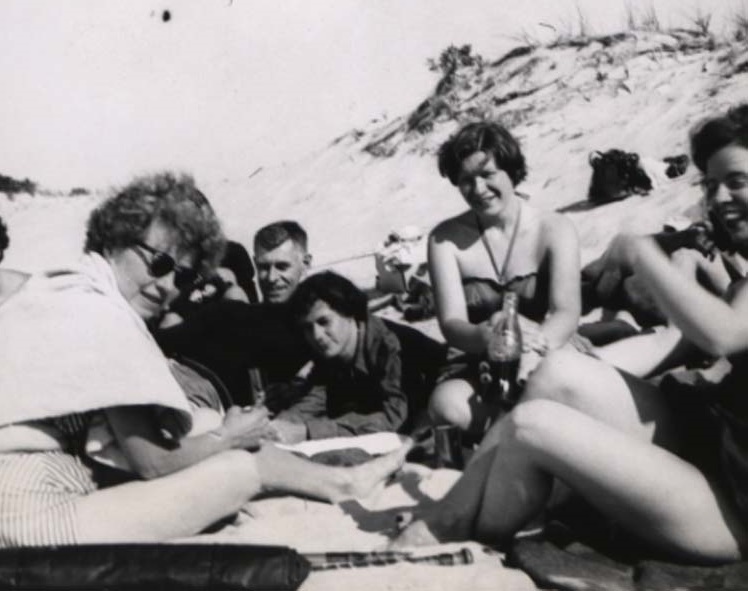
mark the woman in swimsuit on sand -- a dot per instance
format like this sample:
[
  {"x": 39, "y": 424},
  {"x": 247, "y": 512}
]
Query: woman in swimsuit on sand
[
  {"x": 501, "y": 243},
  {"x": 666, "y": 463}
]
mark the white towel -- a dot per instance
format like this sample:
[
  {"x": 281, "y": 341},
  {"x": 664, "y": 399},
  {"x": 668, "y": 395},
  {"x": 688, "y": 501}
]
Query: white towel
[{"x": 69, "y": 343}]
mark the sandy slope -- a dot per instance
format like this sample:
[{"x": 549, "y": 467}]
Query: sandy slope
[{"x": 639, "y": 93}]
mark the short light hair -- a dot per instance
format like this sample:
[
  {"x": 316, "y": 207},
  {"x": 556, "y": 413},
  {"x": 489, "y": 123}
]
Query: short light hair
[
  {"x": 123, "y": 219},
  {"x": 273, "y": 235}
]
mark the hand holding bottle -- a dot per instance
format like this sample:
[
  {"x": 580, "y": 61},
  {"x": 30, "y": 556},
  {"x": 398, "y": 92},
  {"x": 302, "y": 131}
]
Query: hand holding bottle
[{"x": 504, "y": 352}]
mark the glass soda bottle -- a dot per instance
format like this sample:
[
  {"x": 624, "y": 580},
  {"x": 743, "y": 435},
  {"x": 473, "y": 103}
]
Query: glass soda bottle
[{"x": 504, "y": 353}]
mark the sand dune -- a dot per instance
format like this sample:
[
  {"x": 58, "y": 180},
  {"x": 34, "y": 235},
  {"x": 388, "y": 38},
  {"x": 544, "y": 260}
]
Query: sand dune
[{"x": 638, "y": 92}]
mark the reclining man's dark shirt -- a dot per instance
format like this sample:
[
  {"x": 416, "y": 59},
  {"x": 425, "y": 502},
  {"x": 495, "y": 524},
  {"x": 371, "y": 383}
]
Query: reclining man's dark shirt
[
  {"x": 230, "y": 337},
  {"x": 365, "y": 396}
]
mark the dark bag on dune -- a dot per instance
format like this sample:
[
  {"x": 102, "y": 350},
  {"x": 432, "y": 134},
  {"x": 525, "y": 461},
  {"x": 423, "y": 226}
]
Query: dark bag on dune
[
  {"x": 616, "y": 175},
  {"x": 207, "y": 567}
]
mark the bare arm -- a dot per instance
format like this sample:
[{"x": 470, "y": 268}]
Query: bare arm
[
  {"x": 565, "y": 300},
  {"x": 150, "y": 455},
  {"x": 649, "y": 354},
  {"x": 451, "y": 308},
  {"x": 712, "y": 324}
]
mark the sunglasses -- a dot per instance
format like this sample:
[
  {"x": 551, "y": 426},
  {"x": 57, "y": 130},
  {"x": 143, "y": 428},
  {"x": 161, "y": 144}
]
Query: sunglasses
[{"x": 161, "y": 264}]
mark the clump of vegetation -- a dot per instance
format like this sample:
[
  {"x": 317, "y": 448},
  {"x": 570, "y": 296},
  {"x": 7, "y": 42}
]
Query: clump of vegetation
[
  {"x": 78, "y": 191},
  {"x": 11, "y": 186},
  {"x": 701, "y": 22},
  {"x": 738, "y": 20},
  {"x": 574, "y": 30},
  {"x": 450, "y": 64},
  {"x": 651, "y": 20},
  {"x": 647, "y": 20},
  {"x": 453, "y": 58}
]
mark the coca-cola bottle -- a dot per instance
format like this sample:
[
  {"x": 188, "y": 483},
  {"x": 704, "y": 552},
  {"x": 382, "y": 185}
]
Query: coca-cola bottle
[{"x": 504, "y": 353}]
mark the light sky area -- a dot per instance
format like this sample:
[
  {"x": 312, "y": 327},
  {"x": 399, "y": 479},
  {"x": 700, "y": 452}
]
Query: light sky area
[{"x": 95, "y": 91}]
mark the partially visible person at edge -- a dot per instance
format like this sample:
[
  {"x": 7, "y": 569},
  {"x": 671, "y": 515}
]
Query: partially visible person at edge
[
  {"x": 356, "y": 382},
  {"x": 703, "y": 251},
  {"x": 665, "y": 463},
  {"x": 230, "y": 338},
  {"x": 81, "y": 354},
  {"x": 501, "y": 243},
  {"x": 10, "y": 279}
]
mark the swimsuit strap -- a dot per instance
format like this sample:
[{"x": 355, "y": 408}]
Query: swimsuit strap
[{"x": 500, "y": 273}]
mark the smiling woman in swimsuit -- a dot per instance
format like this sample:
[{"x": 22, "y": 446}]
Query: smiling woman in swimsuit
[{"x": 501, "y": 243}]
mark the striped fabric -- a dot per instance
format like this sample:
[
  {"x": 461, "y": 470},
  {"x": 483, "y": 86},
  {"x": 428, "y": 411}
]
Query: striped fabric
[{"x": 38, "y": 493}]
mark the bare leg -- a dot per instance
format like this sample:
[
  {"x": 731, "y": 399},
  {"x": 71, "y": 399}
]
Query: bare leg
[
  {"x": 597, "y": 389},
  {"x": 283, "y": 471},
  {"x": 577, "y": 381},
  {"x": 186, "y": 502},
  {"x": 649, "y": 491},
  {"x": 455, "y": 402},
  {"x": 180, "y": 504}
]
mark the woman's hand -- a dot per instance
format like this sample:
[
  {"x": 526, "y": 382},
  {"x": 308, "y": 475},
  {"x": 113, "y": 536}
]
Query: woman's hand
[
  {"x": 698, "y": 237},
  {"x": 535, "y": 346},
  {"x": 486, "y": 328},
  {"x": 288, "y": 432},
  {"x": 246, "y": 429},
  {"x": 533, "y": 337},
  {"x": 527, "y": 364}
]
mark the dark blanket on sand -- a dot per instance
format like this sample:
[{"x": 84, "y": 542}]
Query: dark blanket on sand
[{"x": 563, "y": 562}]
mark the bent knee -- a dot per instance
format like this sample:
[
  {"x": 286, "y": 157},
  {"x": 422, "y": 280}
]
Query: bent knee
[
  {"x": 450, "y": 404},
  {"x": 557, "y": 377},
  {"x": 532, "y": 422}
]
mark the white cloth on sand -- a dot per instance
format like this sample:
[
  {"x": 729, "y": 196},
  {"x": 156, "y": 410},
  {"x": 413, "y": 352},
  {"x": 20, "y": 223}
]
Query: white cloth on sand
[{"x": 366, "y": 525}]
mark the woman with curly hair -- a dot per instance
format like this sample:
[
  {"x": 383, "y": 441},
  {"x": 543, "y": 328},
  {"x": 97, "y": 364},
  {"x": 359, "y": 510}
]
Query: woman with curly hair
[
  {"x": 500, "y": 244},
  {"x": 83, "y": 360},
  {"x": 667, "y": 463}
]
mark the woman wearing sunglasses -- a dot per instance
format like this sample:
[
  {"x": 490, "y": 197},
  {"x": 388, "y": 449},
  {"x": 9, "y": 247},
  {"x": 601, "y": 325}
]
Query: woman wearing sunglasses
[
  {"x": 80, "y": 355},
  {"x": 667, "y": 463}
]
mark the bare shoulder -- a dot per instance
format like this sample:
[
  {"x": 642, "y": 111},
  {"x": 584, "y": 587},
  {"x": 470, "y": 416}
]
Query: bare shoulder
[
  {"x": 452, "y": 229},
  {"x": 556, "y": 227}
]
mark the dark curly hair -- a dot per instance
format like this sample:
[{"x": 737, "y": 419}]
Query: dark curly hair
[
  {"x": 707, "y": 138},
  {"x": 484, "y": 136},
  {"x": 335, "y": 290},
  {"x": 172, "y": 200},
  {"x": 715, "y": 133},
  {"x": 4, "y": 239}
]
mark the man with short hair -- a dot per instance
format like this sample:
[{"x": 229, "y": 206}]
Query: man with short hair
[
  {"x": 282, "y": 259},
  {"x": 232, "y": 338}
]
